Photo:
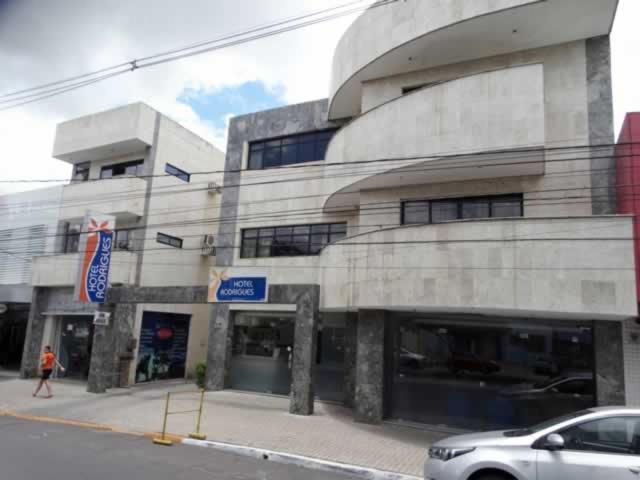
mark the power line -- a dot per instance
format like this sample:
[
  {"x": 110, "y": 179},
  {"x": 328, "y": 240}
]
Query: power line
[{"x": 205, "y": 47}]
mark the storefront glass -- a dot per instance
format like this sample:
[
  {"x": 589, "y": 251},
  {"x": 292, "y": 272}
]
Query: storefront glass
[
  {"x": 262, "y": 354},
  {"x": 329, "y": 372},
  {"x": 162, "y": 353},
  {"x": 489, "y": 375}
]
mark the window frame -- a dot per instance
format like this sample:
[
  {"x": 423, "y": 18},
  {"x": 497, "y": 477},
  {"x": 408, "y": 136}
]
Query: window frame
[
  {"x": 82, "y": 168},
  {"x": 562, "y": 431},
  {"x": 177, "y": 172},
  {"x": 72, "y": 237},
  {"x": 335, "y": 231},
  {"x": 460, "y": 201},
  {"x": 276, "y": 146},
  {"x": 165, "y": 239},
  {"x": 137, "y": 163}
]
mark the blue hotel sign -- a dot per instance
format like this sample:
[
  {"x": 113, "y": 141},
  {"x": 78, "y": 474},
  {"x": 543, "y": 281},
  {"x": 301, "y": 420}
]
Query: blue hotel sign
[{"x": 227, "y": 288}]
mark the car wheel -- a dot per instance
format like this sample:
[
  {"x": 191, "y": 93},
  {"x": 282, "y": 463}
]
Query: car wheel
[{"x": 493, "y": 476}]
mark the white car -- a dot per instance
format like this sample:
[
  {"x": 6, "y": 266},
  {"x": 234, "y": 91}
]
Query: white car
[{"x": 594, "y": 444}]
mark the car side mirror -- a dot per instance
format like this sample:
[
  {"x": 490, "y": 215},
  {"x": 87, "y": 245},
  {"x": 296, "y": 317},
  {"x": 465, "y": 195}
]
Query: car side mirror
[{"x": 553, "y": 442}]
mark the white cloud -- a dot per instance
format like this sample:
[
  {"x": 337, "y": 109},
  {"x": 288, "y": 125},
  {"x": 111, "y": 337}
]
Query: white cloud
[
  {"x": 44, "y": 41},
  {"x": 40, "y": 42}
]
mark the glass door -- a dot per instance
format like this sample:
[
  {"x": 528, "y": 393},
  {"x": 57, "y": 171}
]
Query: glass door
[
  {"x": 262, "y": 354},
  {"x": 76, "y": 341}
]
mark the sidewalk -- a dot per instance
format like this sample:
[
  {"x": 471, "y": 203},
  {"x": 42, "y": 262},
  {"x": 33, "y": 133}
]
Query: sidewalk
[{"x": 238, "y": 418}]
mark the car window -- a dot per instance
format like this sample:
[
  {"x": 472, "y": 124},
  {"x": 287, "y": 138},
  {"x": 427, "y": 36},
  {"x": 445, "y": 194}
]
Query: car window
[
  {"x": 575, "y": 387},
  {"x": 619, "y": 435}
]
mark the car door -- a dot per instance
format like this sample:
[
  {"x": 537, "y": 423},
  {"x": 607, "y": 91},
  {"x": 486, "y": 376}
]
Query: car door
[{"x": 603, "y": 449}]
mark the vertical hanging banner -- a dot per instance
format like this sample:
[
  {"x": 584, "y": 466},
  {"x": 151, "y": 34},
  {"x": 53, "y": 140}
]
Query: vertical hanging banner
[{"x": 95, "y": 258}]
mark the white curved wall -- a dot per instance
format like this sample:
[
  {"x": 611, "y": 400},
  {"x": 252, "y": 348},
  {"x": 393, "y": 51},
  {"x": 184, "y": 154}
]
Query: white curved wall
[
  {"x": 566, "y": 274},
  {"x": 490, "y": 111}
]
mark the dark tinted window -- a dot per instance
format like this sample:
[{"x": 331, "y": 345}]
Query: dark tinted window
[
  {"x": 437, "y": 211},
  {"x": 308, "y": 147},
  {"x": 176, "y": 172},
  {"x": 617, "y": 435},
  {"x": 81, "y": 172},
  {"x": 134, "y": 168},
  {"x": 290, "y": 241},
  {"x": 169, "y": 240}
]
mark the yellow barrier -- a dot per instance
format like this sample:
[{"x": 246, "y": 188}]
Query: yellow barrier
[{"x": 163, "y": 440}]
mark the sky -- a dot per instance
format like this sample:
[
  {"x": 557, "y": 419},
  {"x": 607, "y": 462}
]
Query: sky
[{"x": 42, "y": 41}]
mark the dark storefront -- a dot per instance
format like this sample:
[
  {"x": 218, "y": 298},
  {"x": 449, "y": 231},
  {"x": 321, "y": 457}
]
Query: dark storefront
[
  {"x": 263, "y": 353},
  {"x": 464, "y": 374},
  {"x": 75, "y": 346},
  {"x": 13, "y": 327},
  {"x": 162, "y": 352}
]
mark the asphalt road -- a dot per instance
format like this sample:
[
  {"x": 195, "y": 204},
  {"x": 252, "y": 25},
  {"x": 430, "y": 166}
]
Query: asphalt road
[{"x": 31, "y": 450}]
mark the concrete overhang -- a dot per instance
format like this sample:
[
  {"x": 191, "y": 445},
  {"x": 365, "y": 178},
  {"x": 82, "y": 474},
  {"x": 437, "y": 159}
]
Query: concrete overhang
[
  {"x": 516, "y": 163},
  {"x": 118, "y": 132},
  {"x": 368, "y": 52}
]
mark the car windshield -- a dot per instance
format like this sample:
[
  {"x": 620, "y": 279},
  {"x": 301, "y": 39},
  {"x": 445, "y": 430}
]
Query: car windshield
[
  {"x": 523, "y": 432},
  {"x": 548, "y": 383}
]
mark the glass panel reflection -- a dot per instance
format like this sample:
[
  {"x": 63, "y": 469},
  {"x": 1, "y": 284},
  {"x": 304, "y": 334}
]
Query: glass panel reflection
[
  {"x": 262, "y": 353},
  {"x": 496, "y": 375}
]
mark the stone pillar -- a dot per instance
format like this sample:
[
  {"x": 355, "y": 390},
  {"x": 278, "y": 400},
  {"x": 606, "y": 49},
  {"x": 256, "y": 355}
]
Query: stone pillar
[
  {"x": 608, "y": 347},
  {"x": 102, "y": 370},
  {"x": 125, "y": 341},
  {"x": 35, "y": 331},
  {"x": 369, "y": 391},
  {"x": 220, "y": 347},
  {"x": 350, "y": 347},
  {"x": 304, "y": 351}
]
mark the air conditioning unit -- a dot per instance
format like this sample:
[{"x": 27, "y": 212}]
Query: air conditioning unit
[
  {"x": 209, "y": 245},
  {"x": 213, "y": 188}
]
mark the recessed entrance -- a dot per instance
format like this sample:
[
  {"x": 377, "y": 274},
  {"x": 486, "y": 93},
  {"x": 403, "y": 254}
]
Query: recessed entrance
[{"x": 75, "y": 345}]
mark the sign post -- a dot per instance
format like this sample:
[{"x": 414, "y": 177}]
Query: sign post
[
  {"x": 95, "y": 259},
  {"x": 227, "y": 287}
]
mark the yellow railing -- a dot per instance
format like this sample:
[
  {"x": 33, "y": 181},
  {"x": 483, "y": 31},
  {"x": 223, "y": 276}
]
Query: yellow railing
[{"x": 162, "y": 439}]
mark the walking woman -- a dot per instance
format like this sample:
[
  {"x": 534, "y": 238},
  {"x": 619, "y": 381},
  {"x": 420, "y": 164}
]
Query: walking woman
[{"x": 47, "y": 362}]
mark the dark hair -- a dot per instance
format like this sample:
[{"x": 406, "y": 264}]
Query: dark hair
[{"x": 47, "y": 348}]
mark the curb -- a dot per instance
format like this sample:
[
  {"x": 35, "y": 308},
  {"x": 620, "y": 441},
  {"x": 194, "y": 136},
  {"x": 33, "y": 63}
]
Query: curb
[
  {"x": 58, "y": 421},
  {"x": 301, "y": 461}
]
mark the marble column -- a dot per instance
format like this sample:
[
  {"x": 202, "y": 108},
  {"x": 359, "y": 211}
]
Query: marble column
[
  {"x": 369, "y": 391},
  {"x": 350, "y": 354},
  {"x": 220, "y": 347},
  {"x": 101, "y": 369},
  {"x": 304, "y": 351},
  {"x": 35, "y": 332},
  {"x": 609, "y": 363}
]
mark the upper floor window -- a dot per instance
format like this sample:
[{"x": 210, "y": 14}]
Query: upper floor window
[
  {"x": 169, "y": 240},
  {"x": 81, "y": 172},
  {"x": 438, "y": 211},
  {"x": 123, "y": 239},
  {"x": 176, "y": 172},
  {"x": 134, "y": 168},
  {"x": 290, "y": 241},
  {"x": 276, "y": 152},
  {"x": 72, "y": 237}
]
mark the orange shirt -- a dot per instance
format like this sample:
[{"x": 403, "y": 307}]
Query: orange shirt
[{"x": 47, "y": 361}]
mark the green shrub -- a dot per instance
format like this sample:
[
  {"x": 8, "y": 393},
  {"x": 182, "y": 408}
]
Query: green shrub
[{"x": 201, "y": 374}]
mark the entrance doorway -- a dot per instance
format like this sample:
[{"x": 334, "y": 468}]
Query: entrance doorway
[
  {"x": 75, "y": 344},
  {"x": 13, "y": 328},
  {"x": 262, "y": 354}
]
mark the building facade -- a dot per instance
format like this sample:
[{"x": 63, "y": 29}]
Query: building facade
[
  {"x": 442, "y": 229},
  {"x": 27, "y": 229},
  {"x": 149, "y": 173}
]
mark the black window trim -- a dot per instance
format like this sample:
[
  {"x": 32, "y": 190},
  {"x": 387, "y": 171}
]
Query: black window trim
[
  {"x": 130, "y": 163},
  {"x": 264, "y": 141},
  {"x": 460, "y": 202},
  {"x": 258, "y": 237},
  {"x": 177, "y": 172},
  {"x": 160, "y": 238}
]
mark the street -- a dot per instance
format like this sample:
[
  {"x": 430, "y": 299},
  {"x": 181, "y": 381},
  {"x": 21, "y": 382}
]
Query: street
[{"x": 30, "y": 450}]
